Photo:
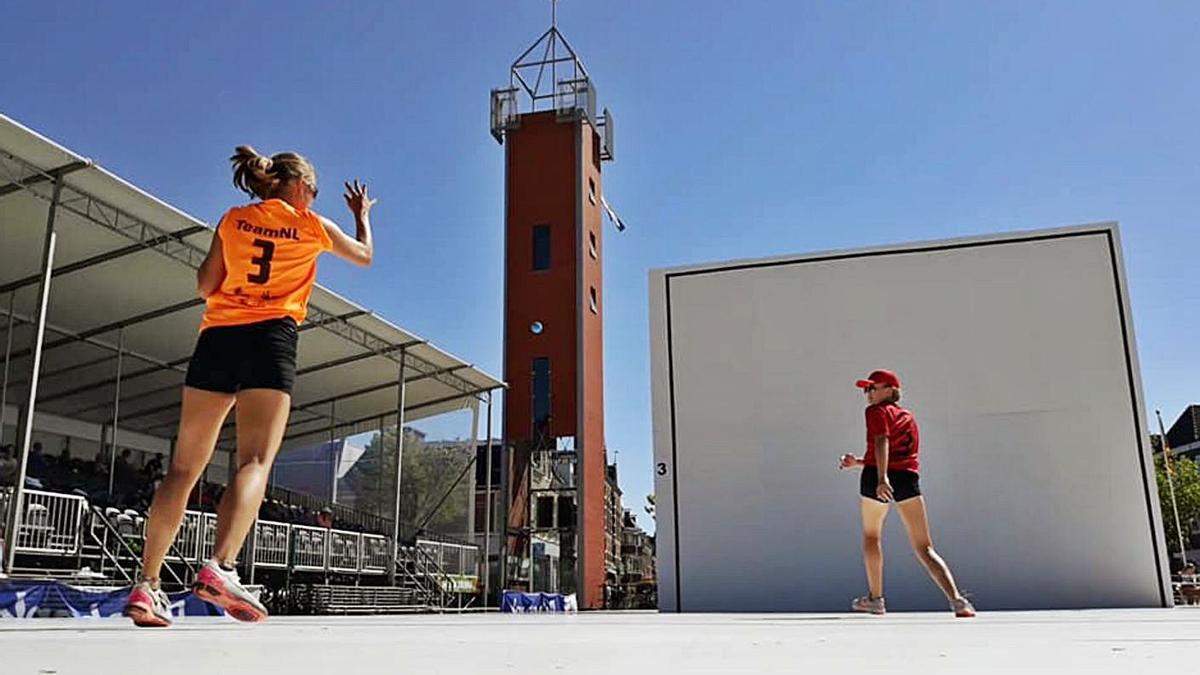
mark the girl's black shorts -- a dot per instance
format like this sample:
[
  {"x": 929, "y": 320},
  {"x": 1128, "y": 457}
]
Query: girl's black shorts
[
  {"x": 250, "y": 356},
  {"x": 905, "y": 484}
]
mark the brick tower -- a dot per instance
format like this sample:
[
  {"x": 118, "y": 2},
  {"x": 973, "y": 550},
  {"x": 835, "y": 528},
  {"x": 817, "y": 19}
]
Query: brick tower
[{"x": 554, "y": 145}]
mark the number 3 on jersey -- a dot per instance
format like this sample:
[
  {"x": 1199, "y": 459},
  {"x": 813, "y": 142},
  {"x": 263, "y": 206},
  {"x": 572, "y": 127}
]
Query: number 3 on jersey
[{"x": 263, "y": 275}]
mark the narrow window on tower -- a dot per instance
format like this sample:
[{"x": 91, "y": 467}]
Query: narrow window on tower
[
  {"x": 592, "y": 245},
  {"x": 541, "y": 395},
  {"x": 592, "y": 297},
  {"x": 541, "y": 247},
  {"x": 596, "y": 150},
  {"x": 592, "y": 190}
]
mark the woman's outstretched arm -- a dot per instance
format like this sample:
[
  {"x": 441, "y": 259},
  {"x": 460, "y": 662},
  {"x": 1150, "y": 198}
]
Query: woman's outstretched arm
[{"x": 361, "y": 249}]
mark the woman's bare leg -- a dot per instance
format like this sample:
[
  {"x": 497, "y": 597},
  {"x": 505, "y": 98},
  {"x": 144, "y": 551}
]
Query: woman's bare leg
[
  {"x": 262, "y": 416},
  {"x": 873, "y": 515},
  {"x": 200, "y": 421},
  {"x": 916, "y": 524}
]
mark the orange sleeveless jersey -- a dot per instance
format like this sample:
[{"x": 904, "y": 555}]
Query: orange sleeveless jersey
[{"x": 270, "y": 252}]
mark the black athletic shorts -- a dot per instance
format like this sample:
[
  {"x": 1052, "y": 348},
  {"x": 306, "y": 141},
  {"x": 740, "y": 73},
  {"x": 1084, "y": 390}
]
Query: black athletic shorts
[
  {"x": 905, "y": 484},
  {"x": 251, "y": 356}
]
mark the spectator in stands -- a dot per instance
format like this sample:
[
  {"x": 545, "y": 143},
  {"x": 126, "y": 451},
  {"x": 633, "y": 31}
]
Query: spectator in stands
[
  {"x": 63, "y": 474},
  {"x": 210, "y": 496},
  {"x": 103, "y": 459},
  {"x": 125, "y": 484},
  {"x": 272, "y": 510},
  {"x": 8, "y": 466},
  {"x": 123, "y": 471},
  {"x": 325, "y": 517},
  {"x": 93, "y": 476},
  {"x": 153, "y": 471},
  {"x": 1189, "y": 590},
  {"x": 38, "y": 467}
]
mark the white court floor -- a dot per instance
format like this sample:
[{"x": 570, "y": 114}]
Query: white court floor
[{"x": 1124, "y": 641}]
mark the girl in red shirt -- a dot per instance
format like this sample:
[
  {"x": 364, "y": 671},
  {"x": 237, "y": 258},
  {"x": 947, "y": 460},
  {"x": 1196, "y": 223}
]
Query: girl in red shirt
[{"x": 893, "y": 442}]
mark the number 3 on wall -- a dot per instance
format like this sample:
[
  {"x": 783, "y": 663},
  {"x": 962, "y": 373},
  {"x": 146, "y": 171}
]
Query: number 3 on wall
[
  {"x": 661, "y": 469},
  {"x": 263, "y": 275}
]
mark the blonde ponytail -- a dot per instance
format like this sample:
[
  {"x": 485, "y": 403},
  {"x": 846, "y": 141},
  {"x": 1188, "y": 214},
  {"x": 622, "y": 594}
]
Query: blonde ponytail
[
  {"x": 261, "y": 176},
  {"x": 253, "y": 173}
]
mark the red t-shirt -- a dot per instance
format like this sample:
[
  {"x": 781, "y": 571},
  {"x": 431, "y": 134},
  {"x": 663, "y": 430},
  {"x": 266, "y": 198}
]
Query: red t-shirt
[{"x": 900, "y": 427}]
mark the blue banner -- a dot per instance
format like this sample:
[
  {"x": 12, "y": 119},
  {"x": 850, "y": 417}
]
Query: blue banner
[
  {"x": 26, "y": 600},
  {"x": 515, "y": 602}
]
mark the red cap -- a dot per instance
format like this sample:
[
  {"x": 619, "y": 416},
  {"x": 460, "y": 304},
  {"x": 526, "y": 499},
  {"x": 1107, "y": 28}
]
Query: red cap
[{"x": 880, "y": 377}]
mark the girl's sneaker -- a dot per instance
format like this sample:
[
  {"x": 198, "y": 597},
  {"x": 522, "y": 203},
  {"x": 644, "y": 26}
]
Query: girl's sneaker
[
  {"x": 224, "y": 589},
  {"x": 869, "y": 605},
  {"x": 963, "y": 608},
  {"x": 148, "y": 606}
]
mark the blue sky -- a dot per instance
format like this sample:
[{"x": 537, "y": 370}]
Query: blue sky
[{"x": 743, "y": 130}]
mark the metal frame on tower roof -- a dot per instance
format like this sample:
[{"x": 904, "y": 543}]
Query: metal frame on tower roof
[{"x": 572, "y": 95}]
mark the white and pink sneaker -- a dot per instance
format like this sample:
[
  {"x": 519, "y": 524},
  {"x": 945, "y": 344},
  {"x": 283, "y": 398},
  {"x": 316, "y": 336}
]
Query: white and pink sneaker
[
  {"x": 224, "y": 589},
  {"x": 148, "y": 606}
]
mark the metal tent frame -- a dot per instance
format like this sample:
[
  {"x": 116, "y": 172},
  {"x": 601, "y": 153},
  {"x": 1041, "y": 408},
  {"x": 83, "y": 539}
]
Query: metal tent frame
[{"x": 87, "y": 338}]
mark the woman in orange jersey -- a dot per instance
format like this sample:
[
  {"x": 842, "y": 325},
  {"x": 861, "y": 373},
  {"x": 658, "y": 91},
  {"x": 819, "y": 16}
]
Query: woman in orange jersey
[{"x": 257, "y": 279}]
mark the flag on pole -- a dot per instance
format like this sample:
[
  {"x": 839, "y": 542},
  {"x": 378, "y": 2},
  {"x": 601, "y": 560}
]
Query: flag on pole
[{"x": 612, "y": 214}]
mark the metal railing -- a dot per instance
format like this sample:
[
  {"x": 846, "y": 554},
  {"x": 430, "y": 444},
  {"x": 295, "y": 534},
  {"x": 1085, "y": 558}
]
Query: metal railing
[
  {"x": 345, "y": 551},
  {"x": 454, "y": 566},
  {"x": 424, "y": 574},
  {"x": 188, "y": 541},
  {"x": 114, "y": 547},
  {"x": 341, "y": 513},
  {"x": 52, "y": 523},
  {"x": 460, "y": 560},
  {"x": 271, "y": 544},
  {"x": 375, "y": 551},
  {"x": 55, "y": 524},
  {"x": 115, "y": 532},
  {"x": 208, "y": 535},
  {"x": 310, "y": 546}
]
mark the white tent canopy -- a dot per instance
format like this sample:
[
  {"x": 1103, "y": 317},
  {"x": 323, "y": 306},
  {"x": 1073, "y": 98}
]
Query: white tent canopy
[{"x": 123, "y": 300}]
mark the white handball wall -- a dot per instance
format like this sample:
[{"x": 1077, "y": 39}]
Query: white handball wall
[{"x": 1017, "y": 358}]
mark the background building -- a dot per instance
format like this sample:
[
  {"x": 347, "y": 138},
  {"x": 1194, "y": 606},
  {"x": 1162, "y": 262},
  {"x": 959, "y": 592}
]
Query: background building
[
  {"x": 639, "y": 583},
  {"x": 1184, "y": 435},
  {"x": 613, "y": 525}
]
